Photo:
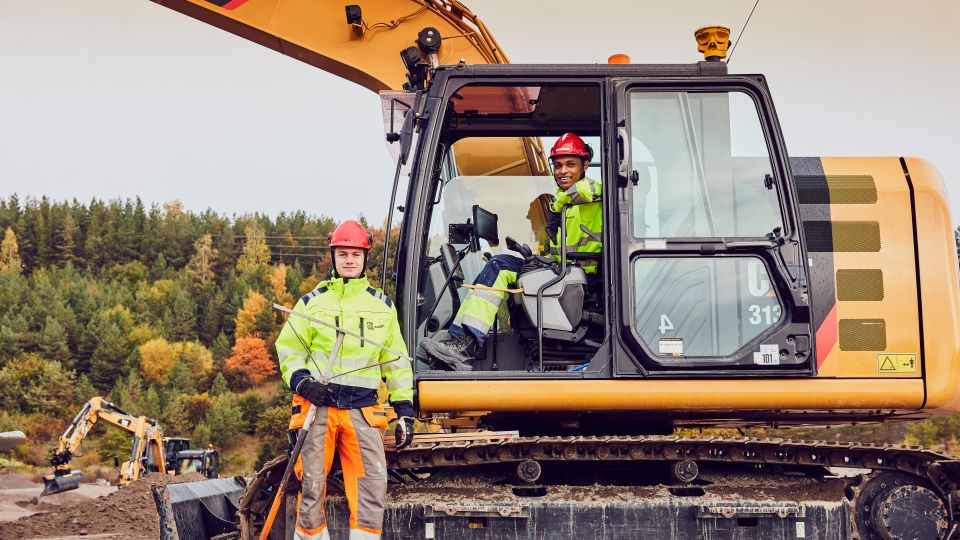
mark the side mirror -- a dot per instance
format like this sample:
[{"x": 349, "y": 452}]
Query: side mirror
[{"x": 485, "y": 225}]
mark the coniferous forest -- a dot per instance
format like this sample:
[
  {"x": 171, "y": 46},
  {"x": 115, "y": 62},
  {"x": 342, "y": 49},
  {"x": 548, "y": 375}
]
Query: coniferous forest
[{"x": 167, "y": 313}]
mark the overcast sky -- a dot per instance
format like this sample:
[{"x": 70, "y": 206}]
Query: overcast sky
[{"x": 119, "y": 98}]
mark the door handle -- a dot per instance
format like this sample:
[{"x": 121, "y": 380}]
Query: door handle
[{"x": 623, "y": 142}]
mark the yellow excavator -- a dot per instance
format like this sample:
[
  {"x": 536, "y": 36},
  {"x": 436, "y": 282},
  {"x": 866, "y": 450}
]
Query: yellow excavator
[
  {"x": 152, "y": 452},
  {"x": 738, "y": 286}
]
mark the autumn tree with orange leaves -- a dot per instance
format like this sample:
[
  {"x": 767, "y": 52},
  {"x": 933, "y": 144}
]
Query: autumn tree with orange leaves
[{"x": 250, "y": 356}]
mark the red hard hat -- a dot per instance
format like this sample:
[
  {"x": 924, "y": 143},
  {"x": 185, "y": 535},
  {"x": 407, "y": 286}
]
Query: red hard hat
[
  {"x": 569, "y": 144},
  {"x": 350, "y": 234}
]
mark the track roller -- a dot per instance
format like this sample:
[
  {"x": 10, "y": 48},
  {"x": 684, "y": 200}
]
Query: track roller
[
  {"x": 529, "y": 471},
  {"x": 684, "y": 471}
]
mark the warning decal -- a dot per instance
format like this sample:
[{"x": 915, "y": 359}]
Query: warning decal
[{"x": 896, "y": 362}]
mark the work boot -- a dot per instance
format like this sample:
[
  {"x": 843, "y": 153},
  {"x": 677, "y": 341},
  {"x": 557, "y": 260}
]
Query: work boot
[{"x": 457, "y": 353}]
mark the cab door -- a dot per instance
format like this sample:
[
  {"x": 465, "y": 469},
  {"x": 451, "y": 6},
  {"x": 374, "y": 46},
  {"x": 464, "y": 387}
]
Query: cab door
[{"x": 709, "y": 254}]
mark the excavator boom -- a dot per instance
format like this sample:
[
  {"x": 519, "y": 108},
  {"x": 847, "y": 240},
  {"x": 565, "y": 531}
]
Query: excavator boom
[
  {"x": 366, "y": 51},
  {"x": 382, "y": 46}
]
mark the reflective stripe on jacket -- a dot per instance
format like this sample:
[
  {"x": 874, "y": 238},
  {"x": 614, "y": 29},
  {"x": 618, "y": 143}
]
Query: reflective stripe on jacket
[
  {"x": 353, "y": 305},
  {"x": 584, "y": 220}
]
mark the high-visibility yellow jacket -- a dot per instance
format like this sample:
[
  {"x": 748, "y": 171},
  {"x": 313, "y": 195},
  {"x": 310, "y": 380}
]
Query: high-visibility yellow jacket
[
  {"x": 584, "y": 220},
  {"x": 353, "y": 305}
]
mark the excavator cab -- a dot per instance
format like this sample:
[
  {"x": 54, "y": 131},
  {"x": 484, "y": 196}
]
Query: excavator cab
[
  {"x": 204, "y": 461},
  {"x": 703, "y": 265}
]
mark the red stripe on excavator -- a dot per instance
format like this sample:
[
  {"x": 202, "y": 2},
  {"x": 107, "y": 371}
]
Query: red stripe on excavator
[
  {"x": 827, "y": 336},
  {"x": 234, "y": 4}
]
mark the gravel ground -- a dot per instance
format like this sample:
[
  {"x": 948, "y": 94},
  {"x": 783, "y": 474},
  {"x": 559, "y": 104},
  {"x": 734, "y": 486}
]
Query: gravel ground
[{"x": 125, "y": 513}]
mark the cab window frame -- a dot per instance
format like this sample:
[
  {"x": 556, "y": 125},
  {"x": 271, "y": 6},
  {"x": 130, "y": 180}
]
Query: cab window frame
[{"x": 442, "y": 136}]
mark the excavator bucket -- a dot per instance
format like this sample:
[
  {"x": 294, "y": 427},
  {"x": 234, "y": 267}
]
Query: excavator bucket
[
  {"x": 198, "y": 510},
  {"x": 60, "y": 482}
]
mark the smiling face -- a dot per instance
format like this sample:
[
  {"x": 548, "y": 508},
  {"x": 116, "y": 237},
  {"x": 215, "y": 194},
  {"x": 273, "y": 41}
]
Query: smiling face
[
  {"x": 349, "y": 262},
  {"x": 567, "y": 170}
]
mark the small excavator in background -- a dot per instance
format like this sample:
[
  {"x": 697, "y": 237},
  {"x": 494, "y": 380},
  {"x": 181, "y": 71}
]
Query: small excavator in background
[{"x": 152, "y": 452}]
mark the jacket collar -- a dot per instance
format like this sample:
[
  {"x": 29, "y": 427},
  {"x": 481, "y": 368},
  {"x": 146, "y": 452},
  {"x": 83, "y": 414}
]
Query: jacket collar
[{"x": 348, "y": 286}]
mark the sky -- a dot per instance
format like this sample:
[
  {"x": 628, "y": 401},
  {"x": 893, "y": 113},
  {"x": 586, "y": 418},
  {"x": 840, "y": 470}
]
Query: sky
[{"x": 111, "y": 98}]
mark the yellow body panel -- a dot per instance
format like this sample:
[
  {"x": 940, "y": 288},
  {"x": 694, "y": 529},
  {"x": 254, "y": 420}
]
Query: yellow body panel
[
  {"x": 940, "y": 287},
  {"x": 895, "y": 258},
  {"x": 669, "y": 395}
]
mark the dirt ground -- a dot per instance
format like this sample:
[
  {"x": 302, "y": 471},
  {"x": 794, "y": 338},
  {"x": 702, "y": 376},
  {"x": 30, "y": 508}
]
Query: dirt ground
[{"x": 91, "y": 511}]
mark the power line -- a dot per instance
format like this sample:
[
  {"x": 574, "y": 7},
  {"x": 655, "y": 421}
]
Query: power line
[
  {"x": 744, "y": 29},
  {"x": 242, "y": 236}
]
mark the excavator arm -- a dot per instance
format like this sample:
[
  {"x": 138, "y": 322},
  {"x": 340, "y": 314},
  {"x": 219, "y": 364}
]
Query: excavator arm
[
  {"x": 358, "y": 43},
  {"x": 383, "y": 46},
  {"x": 147, "y": 436}
]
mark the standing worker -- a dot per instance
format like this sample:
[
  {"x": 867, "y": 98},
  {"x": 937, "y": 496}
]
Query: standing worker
[
  {"x": 349, "y": 420},
  {"x": 570, "y": 158}
]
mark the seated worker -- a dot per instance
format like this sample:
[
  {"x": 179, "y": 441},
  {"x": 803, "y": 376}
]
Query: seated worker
[{"x": 570, "y": 157}]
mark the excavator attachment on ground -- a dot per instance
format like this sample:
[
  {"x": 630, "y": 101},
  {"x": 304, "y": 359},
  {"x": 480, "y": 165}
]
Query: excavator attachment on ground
[
  {"x": 199, "y": 510},
  {"x": 61, "y": 481}
]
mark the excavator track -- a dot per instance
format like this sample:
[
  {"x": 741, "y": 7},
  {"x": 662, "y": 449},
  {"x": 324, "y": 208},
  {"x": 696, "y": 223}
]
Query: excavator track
[
  {"x": 892, "y": 492},
  {"x": 881, "y": 501}
]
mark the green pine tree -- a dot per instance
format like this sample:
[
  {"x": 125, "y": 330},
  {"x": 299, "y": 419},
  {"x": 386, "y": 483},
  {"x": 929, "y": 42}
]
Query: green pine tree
[
  {"x": 83, "y": 390},
  {"x": 150, "y": 405},
  {"x": 225, "y": 420},
  {"x": 201, "y": 436},
  {"x": 180, "y": 379},
  {"x": 109, "y": 356},
  {"x": 219, "y": 386},
  {"x": 176, "y": 421},
  {"x": 181, "y": 323},
  {"x": 53, "y": 341},
  {"x": 68, "y": 244}
]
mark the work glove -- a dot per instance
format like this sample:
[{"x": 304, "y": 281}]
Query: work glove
[
  {"x": 536, "y": 262},
  {"x": 312, "y": 389},
  {"x": 404, "y": 431},
  {"x": 530, "y": 264}
]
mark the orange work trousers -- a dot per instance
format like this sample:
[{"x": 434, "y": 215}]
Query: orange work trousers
[{"x": 357, "y": 434}]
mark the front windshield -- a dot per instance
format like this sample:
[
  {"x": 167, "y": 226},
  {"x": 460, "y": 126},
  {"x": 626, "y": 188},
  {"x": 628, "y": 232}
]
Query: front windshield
[{"x": 189, "y": 465}]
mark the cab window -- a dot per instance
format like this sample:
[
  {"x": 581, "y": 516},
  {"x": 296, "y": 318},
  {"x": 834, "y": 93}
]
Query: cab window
[{"x": 703, "y": 166}]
